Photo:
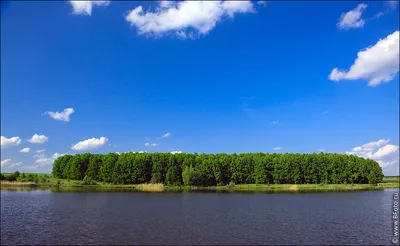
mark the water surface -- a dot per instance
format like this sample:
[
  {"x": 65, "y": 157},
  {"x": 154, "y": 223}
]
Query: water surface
[{"x": 48, "y": 217}]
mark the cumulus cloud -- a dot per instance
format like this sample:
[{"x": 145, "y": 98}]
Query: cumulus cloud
[
  {"x": 185, "y": 19},
  {"x": 85, "y": 7},
  {"x": 25, "y": 150},
  {"x": 10, "y": 142},
  {"x": 352, "y": 19},
  {"x": 176, "y": 152},
  {"x": 168, "y": 134},
  {"x": 40, "y": 150},
  {"x": 43, "y": 160},
  {"x": 6, "y": 162},
  {"x": 277, "y": 148},
  {"x": 275, "y": 122},
  {"x": 64, "y": 116},
  {"x": 377, "y": 64},
  {"x": 91, "y": 143},
  {"x": 150, "y": 144},
  {"x": 10, "y": 163},
  {"x": 38, "y": 139},
  {"x": 380, "y": 151},
  {"x": 16, "y": 164}
]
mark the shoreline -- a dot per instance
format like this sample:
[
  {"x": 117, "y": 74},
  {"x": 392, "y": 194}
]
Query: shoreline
[{"x": 228, "y": 188}]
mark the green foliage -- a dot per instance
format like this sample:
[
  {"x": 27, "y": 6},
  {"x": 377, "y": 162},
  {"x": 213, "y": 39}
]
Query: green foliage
[
  {"x": 88, "y": 181},
  {"x": 192, "y": 177},
  {"x": 93, "y": 170},
  {"x": 186, "y": 175},
  {"x": 219, "y": 169},
  {"x": 107, "y": 167},
  {"x": 372, "y": 179},
  {"x": 11, "y": 177}
]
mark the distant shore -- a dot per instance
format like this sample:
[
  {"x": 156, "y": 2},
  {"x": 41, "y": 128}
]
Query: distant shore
[{"x": 227, "y": 188}]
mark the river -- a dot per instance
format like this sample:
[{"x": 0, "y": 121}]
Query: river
[{"x": 48, "y": 217}]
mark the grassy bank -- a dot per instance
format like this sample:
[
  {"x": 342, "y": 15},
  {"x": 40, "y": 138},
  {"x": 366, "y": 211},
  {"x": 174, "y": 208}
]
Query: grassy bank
[{"x": 47, "y": 181}]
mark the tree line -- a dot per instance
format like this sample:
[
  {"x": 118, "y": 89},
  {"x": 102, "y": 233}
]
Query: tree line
[
  {"x": 218, "y": 169},
  {"x": 30, "y": 177}
]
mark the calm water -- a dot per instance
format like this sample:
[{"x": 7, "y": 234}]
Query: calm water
[{"x": 46, "y": 217}]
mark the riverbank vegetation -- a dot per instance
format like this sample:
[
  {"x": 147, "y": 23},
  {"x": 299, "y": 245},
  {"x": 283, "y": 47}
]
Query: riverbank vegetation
[
  {"x": 25, "y": 180},
  {"x": 217, "y": 169}
]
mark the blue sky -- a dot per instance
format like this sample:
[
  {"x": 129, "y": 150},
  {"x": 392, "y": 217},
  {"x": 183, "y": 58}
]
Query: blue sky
[{"x": 217, "y": 76}]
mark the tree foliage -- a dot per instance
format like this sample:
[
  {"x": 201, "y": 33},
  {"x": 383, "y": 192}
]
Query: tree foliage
[{"x": 218, "y": 169}]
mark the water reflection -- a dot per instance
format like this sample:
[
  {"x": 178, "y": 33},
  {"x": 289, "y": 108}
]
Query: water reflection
[{"x": 70, "y": 216}]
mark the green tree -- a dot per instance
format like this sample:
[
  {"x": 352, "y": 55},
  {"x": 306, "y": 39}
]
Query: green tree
[
  {"x": 107, "y": 168},
  {"x": 16, "y": 174},
  {"x": 372, "y": 178},
  {"x": 93, "y": 170}
]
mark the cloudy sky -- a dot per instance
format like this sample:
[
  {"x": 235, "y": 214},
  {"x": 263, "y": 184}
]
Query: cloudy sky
[{"x": 198, "y": 77}]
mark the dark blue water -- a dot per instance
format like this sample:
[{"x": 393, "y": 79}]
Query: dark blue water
[{"x": 46, "y": 217}]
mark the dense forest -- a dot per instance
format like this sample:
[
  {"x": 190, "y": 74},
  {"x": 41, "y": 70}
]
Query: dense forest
[{"x": 218, "y": 169}]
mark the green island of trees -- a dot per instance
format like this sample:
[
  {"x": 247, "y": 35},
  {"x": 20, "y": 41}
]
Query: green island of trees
[{"x": 217, "y": 169}]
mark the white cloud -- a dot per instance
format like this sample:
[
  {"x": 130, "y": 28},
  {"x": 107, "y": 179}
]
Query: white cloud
[
  {"x": 6, "y": 162},
  {"x": 321, "y": 150},
  {"x": 176, "y": 152},
  {"x": 168, "y": 134},
  {"x": 43, "y": 160},
  {"x": 10, "y": 163},
  {"x": 150, "y": 144},
  {"x": 64, "y": 116},
  {"x": 185, "y": 19},
  {"x": 141, "y": 151},
  {"x": 16, "y": 164},
  {"x": 40, "y": 150},
  {"x": 91, "y": 143},
  {"x": 31, "y": 167},
  {"x": 39, "y": 156},
  {"x": 25, "y": 150},
  {"x": 10, "y": 142},
  {"x": 380, "y": 151},
  {"x": 39, "y": 139},
  {"x": 277, "y": 148},
  {"x": 378, "y": 63},
  {"x": 275, "y": 122},
  {"x": 166, "y": 4},
  {"x": 373, "y": 145},
  {"x": 352, "y": 19},
  {"x": 385, "y": 151},
  {"x": 85, "y": 7}
]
